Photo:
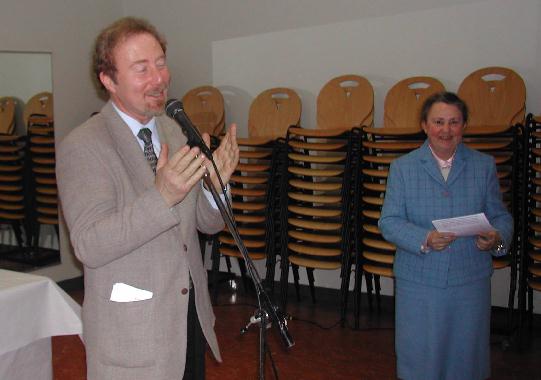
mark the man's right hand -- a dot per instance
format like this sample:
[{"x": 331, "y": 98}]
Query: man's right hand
[{"x": 177, "y": 176}]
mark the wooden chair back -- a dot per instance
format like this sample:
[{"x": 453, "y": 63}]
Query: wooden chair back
[
  {"x": 345, "y": 102},
  {"x": 496, "y": 97},
  {"x": 273, "y": 111},
  {"x": 39, "y": 104},
  {"x": 205, "y": 107},
  {"x": 7, "y": 115},
  {"x": 405, "y": 99}
]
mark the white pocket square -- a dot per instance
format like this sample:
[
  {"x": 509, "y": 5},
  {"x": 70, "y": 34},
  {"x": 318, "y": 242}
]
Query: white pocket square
[{"x": 126, "y": 293}]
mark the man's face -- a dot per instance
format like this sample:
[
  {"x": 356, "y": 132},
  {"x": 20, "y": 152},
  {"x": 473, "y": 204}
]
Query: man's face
[{"x": 142, "y": 77}]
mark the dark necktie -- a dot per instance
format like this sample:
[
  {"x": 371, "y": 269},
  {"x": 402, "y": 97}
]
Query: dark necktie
[{"x": 145, "y": 134}]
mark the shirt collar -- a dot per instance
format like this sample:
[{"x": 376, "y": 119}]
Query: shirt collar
[
  {"x": 135, "y": 125},
  {"x": 443, "y": 164}
]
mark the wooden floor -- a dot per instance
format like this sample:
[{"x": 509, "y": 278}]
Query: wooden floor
[{"x": 323, "y": 349}]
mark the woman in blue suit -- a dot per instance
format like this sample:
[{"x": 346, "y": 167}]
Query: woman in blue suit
[{"x": 443, "y": 281}]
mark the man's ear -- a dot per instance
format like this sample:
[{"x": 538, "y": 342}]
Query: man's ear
[{"x": 108, "y": 82}]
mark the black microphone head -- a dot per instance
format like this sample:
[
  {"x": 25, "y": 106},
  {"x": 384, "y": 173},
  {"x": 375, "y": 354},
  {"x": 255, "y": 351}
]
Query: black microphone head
[{"x": 172, "y": 107}]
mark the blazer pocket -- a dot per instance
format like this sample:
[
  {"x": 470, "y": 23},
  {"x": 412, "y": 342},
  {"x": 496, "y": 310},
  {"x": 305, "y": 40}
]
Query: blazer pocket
[{"x": 126, "y": 334}]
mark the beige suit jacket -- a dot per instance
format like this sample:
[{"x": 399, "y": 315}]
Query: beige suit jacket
[{"x": 123, "y": 232}]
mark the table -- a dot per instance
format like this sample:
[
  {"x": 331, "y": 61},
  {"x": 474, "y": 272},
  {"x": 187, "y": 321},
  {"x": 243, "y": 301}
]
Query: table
[{"x": 32, "y": 309}]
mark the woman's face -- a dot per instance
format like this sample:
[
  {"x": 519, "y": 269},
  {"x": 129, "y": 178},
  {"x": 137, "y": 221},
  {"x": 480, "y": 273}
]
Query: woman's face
[{"x": 444, "y": 127}]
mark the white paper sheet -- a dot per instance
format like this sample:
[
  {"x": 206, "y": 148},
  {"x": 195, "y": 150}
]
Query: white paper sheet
[{"x": 468, "y": 225}]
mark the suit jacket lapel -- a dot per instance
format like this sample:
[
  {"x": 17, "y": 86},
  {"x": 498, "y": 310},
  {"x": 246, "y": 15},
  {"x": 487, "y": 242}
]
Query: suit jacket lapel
[
  {"x": 127, "y": 147},
  {"x": 429, "y": 164},
  {"x": 459, "y": 163}
]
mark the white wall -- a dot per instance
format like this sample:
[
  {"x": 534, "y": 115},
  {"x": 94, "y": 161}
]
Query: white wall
[
  {"x": 244, "y": 47},
  {"x": 382, "y": 40},
  {"x": 67, "y": 30}
]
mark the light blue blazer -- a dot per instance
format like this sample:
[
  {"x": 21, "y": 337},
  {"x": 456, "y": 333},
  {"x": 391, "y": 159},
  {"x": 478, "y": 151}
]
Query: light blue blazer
[{"x": 417, "y": 194}]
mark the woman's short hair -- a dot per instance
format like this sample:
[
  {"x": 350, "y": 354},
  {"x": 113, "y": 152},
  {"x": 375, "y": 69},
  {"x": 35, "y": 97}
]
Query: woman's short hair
[
  {"x": 444, "y": 97},
  {"x": 110, "y": 37}
]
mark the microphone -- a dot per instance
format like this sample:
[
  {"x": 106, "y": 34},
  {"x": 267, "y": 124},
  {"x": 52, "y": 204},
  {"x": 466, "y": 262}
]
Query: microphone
[{"x": 175, "y": 110}]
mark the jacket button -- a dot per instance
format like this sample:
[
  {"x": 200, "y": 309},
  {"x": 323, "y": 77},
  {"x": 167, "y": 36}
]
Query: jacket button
[
  {"x": 184, "y": 291},
  {"x": 185, "y": 247}
]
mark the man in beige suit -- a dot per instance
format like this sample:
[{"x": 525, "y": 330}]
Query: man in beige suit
[{"x": 146, "y": 311}]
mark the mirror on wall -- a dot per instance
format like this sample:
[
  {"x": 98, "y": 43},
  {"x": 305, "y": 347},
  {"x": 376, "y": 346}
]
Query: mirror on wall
[{"x": 28, "y": 204}]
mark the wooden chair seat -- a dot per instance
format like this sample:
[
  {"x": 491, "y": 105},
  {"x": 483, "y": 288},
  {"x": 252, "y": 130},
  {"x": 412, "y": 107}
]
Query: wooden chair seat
[
  {"x": 315, "y": 264},
  {"x": 249, "y": 243},
  {"x": 535, "y": 283},
  {"x": 250, "y": 168},
  {"x": 536, "y": 151},
  {"x": 496, "y": 145},
  {"x": 248, "y": 192},
  {"x": 47, "y": 199},
  {"x": 251, "y": 180},
  {"x": 324, "y": 147},
  {"x": 379, "y": 187},
  {"x": 244, "y": 218},
  {"x": 372, "y": 214},
  {"x": 390, "y": 131},
  {"x": 535, "y": 226},
  {"x": 314, "y": 225},
  {"x": 42, "y": 150},
  {"x": 313, "y": 251},
  {"x": 247, "y": 231},
  {"x": 384, "y": 173},
  {"x": 248, "y": 206},
  {"x": 384, "y": 271},
  {"x": 254, "y": 154},
  {"x": 315, "y": 172},
  {"x": 501, "y": 262},
  {"x": 44, "y": 161},
  {"x": 323, "y": 159},
  {"x": 45, "y": 181},
  {"x": 314, "y": 237},
  {"x": 15, "y": 216},
  {"x": 47, "y": 220},
  {"x": 535, "y": 255},
  {"x": 9, "y": 138},
  {"x": 45, "y": 170},
  {"x": 10, "y": 188},
  {"x": 11, "y": 206},
  {"x": 254, "y": 141},
  {"x": 380, "y": 159},
  {"x": 11, "y": 158},
  {"x": 39, "y": 128},
  {"x": 379, "y": 257},
  {"x": 486, "y": 129},
  {"x": 226, "y": 251},
  {"x": 377, "y": 201},
  {"x": 47, "y": 210},
  {"x": 10, "y": 178},
  {"x": 379, "y": 244},
  {"x": 372, "y": 228},
  {"x": 10, "y": 168},
  {"x": 11, "y": 197},
  {"x": 316, "y": 132},
  {"x": 392, "y": 145},
  {"x": 313, "y": 211},
  {"x": 9, "y": 149},
  {"x": 42, "y": 140},
  {"x": 324, "y": 199},
  {"x": 535, "y": 269},
  {"x": 47, "y": 190},
  {"x": 323, "y": 186}
]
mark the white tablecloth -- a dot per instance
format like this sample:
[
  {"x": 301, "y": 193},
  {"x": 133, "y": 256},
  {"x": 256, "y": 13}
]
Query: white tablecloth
[{"x": 32, "y": 309}]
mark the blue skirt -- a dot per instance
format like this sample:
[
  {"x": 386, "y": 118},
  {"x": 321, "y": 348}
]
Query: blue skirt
[{"x": 443, "y": 333}]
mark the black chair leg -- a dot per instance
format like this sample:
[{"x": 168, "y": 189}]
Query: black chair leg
[
  {"x": 245, "y": 280},
  {"x": 369, "y": 277},
  {"x": 228, "y": 263},
  {"x": 357, "y": 295},
  {"x": 378, "y": 291},
  {"x": 295, "y": 269},
  {"x": 18, "y": 233},
  {"x": 310, "y": 275},
  {"x": 284, "y": 265}
]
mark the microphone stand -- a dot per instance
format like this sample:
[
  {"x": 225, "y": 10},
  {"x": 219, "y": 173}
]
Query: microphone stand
[{"x": 267, "y": 311}]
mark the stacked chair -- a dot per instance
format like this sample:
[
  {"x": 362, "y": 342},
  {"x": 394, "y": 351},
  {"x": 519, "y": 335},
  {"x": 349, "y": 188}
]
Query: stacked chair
[
  {"x": 42, "y": 194},
  {"x": 530, "y": 230},
  {"x": 254, "y": 184},
  {"x": 204, "y": 106},
  {"x": 496, "y": 99},
  {"x": 400, "y": 134},
  {"x": 317, "y": 193},
  {"x": 12, "y": 197}
]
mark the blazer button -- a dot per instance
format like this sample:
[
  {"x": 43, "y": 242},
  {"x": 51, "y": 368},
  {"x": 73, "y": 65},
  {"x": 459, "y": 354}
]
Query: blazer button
[
  {"x": 184, "y": 291},
  {"x": 185, "y": 247}
]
